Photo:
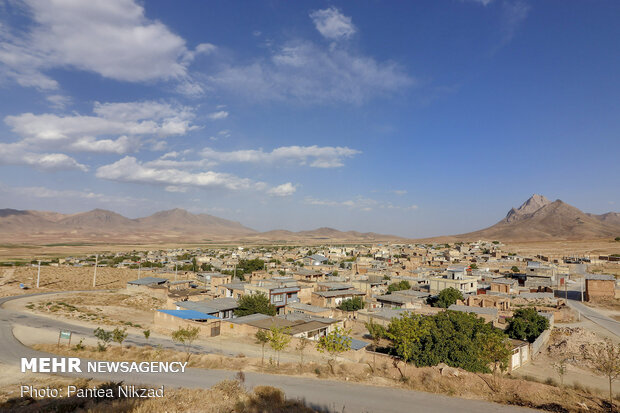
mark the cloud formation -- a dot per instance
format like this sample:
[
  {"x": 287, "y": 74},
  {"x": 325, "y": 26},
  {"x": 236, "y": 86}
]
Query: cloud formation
[
  {"x": 130, "y": 169},
  {"x": 120, "y": 125},
  {"x": 18, "y": 154},
  {"x": 112, "y": 38},
  {"x": 313, "y": 156},
  {"x": 332, "y": 24}
]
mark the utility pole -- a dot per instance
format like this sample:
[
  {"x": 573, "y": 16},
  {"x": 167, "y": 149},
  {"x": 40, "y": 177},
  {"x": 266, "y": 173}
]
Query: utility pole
[
  {"x": 235, "y": 272},
  {"x": 583, "y": 280},
  {"x": 95, "y": 273},
  {"x": 38, "y": 273},
  {"x": 139, "y": 268},
  {"x": 175, "y": 271}
]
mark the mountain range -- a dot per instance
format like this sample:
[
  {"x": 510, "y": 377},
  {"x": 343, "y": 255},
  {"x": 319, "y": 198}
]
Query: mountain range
[
  {"x": 538, "y": 218},
  {"x": 175, "y": 225}
]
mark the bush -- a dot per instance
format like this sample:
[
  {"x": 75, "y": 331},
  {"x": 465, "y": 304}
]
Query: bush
[
  {"x": 399, "y": 286},
  {"x": 352, "y": 304}
]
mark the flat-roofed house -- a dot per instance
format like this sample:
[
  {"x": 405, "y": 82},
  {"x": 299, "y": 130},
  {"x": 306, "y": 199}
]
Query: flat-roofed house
[
  {"x": 334, "y": 298},
  {"x": 600, "y": 286},
  {"x": 222, "y": 308}
]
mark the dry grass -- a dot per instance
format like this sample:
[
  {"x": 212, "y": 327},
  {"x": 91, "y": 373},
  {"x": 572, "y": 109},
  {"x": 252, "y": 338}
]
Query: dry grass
[
  {"x": 506, "y": 390},
  {"x": 62, "y": 279},
  {"x": 108, "y": 307},
  {"x": 226, "y": 396}
]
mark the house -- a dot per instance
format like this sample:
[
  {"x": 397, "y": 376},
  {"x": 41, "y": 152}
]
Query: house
[
  {"x": 333, "y": 298},
  {"x": 235, "y": 289},
  {"x": 315, "y": 259},
  {"x": 520, "y": 353},
  {"x": 213, "y": 279},
  {"x": 504, "y": 285},
  {"x": 222, "y": 308},
  {"x": 396, "y": 301},
  {"x": 308, "y": 275},
  {"x": 172, "y": 319},
  {"x": 279, "y": 291},
  {"x": 147, "y": 282},
  {"x": 297, "y": 325},
  {"x": 457, "y": 278},
  {"x": 308, "y": 309},
  {"x": 600, "y": 286}
]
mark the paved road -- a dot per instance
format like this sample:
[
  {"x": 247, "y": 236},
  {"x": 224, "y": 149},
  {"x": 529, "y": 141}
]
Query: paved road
[
  {"x": 602, "y": 320},
  {"x": 332, "y": 396}
]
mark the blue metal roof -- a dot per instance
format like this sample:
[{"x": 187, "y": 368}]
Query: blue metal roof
[{"x": 189, "y": 314}]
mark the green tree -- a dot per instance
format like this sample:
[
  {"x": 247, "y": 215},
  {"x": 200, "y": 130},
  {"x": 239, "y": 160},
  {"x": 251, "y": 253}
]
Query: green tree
[
  {"x": 253, "y": 304},
  {"x": 352, "y": 304},
  {"x": 279, "y": 339},
  {"x": 186, "y": 337},
  {"x": 447, "y": 297},
  {"x": 147, "y": 334},
  {"x": 495, "y": 352},
  {"x": 514, "y": 268},
  {"x": 119, "y": 335},
  {"x": 334, "y": 343},
  {"x": 452, "y": 337},
  {"x": 617, "y": 239},
  {"x": 399, "y": 286},
  {"x": 104, "y": 337},
  {"x": 473, "y": 266},
  {"x": 262, "y": 338},
  {"x": 526, "y": 324}
]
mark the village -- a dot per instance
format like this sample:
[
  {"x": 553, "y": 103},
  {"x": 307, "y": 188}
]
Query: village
[{"x": 236, "y": 294}]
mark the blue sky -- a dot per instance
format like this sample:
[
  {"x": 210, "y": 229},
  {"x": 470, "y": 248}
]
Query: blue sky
[{"x": 414, "y": 118}]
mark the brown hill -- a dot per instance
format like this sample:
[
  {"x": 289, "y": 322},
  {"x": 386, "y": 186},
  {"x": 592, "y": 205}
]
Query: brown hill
[
  {"x": 175, "y": 225},
  {"x": 540, "y": 219}
]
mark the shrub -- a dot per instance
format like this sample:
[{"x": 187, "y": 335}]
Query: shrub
[{"x": 526, "y": 324}]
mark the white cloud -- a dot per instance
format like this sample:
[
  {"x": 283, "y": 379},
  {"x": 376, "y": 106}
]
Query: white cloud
[
  {"x": 129, "y": 169},
  {"x": 58, "y": 101},
  {"x": 283, "y": 190},
  {"x": 121, "y": 125},
  {"x": 222, "y": 114},
  {"x": 314, "y": 156},
  {"x": 17, "y": 154},
  {"x": 332, "y": 24},
  {"x": 311, "y": 74},
  {"x": 112, "y": 38},
  {"x": 400, "y": 191}
]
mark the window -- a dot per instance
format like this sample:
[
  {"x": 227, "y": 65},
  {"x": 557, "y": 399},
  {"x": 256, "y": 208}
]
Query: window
[{"x": 278, "y": 298}]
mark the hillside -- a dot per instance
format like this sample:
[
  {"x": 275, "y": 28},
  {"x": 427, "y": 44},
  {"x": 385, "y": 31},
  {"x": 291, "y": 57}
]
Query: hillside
[
  {"x": 175, "y": 225},
  {"x": 540, "y": 219}
]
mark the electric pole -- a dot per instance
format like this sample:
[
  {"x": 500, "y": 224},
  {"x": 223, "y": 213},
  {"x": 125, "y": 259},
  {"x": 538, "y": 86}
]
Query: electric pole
[
  {"x": 139, "y": 268},
  {"x": 95, "y": 272},
  {"x": 38, "y": 273},
  {"x": 175, "y": 271}
]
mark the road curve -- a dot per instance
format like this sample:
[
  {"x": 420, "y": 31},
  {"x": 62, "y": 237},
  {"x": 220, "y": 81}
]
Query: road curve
[{"x": 328, "y": 395}]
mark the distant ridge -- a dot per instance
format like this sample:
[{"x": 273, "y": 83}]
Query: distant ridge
[
  {"x": 175, "y": 225},
  {"x": 540, "y": 219}
]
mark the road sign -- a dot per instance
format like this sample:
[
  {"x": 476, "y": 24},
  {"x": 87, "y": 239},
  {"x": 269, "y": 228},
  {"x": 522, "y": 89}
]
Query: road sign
[{"x": 64, "y": 334}]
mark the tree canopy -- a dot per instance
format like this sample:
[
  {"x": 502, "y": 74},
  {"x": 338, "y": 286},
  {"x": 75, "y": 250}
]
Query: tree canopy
[
  {"x": 255, "y": 303},
  {"x": 351, "y": 304},
  {"x": 526, "y": 324},
  {"x": 447, "y": 297},
  {"x": 399, "y": 286},
  {"x": 455, "y": 338}
]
